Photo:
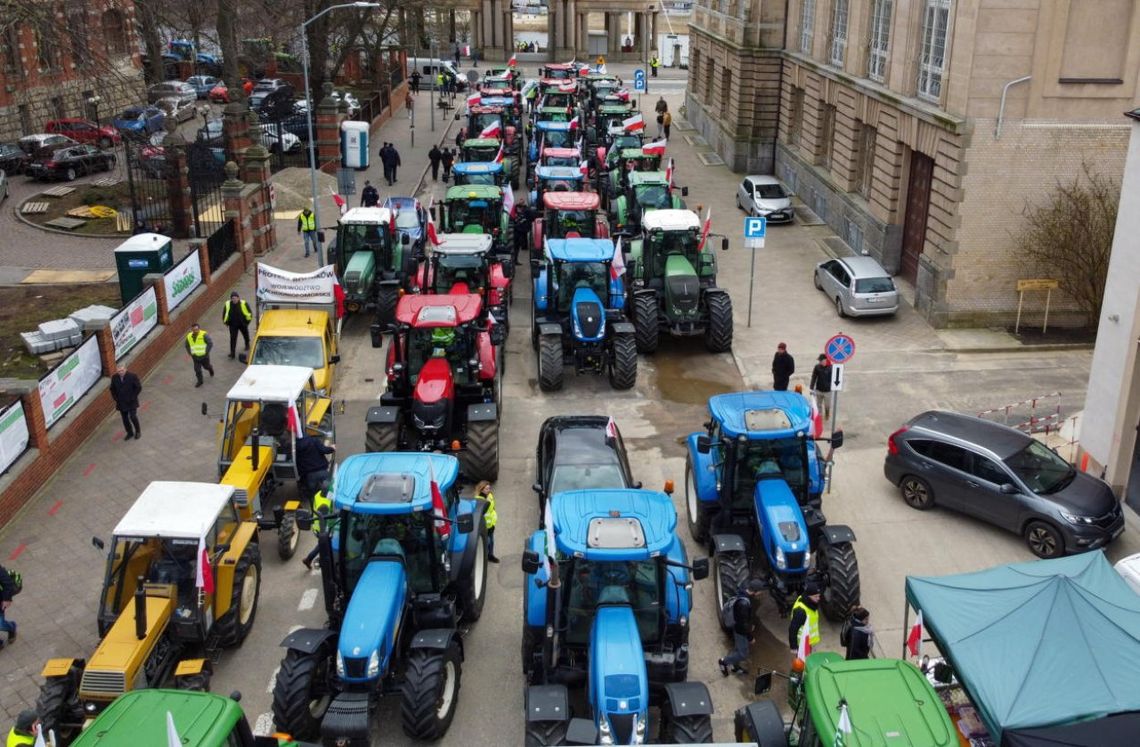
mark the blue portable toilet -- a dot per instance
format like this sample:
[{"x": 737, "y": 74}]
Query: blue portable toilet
[{"x": 354, "y": 145}]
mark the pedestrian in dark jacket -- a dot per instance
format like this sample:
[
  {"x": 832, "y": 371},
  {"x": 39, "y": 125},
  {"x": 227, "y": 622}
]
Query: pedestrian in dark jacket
[
  {"x": 783, "y": 366},
  {"x": 369, "y": 196},
  {"x": 448, "y": 158},
  {"x": 459, "y": 138},
  {"x": 125, "y": 390},
  {"x": 435, "y": 155},
  {"x": 7, "y": 592},
  {"x": 237, "y": 315},
  {"x": 312, "y": 467},
  {"x": 860, "y": 636},
  {"x": 415, "y": 80},
  {"x": 386, "y": 161},
  {"x": 522, "y": 231},
  {"x": 742, "y": 628},
  {"x": 820, "y": 385}
]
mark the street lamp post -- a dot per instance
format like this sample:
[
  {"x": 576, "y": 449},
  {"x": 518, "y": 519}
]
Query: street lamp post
[{"x": 312, "y": 113}]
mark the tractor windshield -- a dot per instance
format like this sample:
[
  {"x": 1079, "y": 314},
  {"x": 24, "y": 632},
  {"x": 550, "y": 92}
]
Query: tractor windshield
[
  {"x": 427, "y": 343},
  {"x": 487, "y": 178},
  {"x": 481, "y": 153},
  {"x": 775, "y": 459},
  {"x": 560, "y": 161},
  {"x": 486, "y": 119},
  {"x": 352, "y": 238},
  {"x": 557, "y": 139},
  {"x": 462, "y": 268},
  {"x": 595, "y": 583},
  {"x": 574, "y": 275},
  {"x": 559, "y": 185},
  {"x": 474, "y": 216},
  {"x": 288, "y": 351},
  {"x": 558, "y": 99},
  {"x": 567, "y": 222},
  {"x": 405, "y": 538},
  {"x": 653, "y": 196},
  {"x": 664, "y": 243}
]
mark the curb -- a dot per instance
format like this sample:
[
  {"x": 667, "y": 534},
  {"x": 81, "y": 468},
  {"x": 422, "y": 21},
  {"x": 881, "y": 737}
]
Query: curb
[
  {"x": 1044, "y": 348},
  {"x": 48, "y": 229}
]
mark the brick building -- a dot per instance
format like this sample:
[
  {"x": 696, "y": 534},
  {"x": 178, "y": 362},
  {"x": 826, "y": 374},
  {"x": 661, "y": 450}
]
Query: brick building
[
  {"x": 919, "y": 129},
  {"x": 78, "y": 59}
]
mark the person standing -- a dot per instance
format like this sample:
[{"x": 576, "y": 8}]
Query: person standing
[
  {"x": 434, "y": 155},
  {"x": 654, "y": 63},
  {"x": 395, "y": 155},
  {"x": 312, "y": 467},
  {"x": 9, "y": 588},
  {"x": 415, "y": 79},
  {"x": 738, "y": 616},
  {"x": 783, "y": 366},
  {"x": 483, "y": 492},
  {"x": 459, "y": 138},
  {"x": 236, "y": 315},
  {"x": 322, "y": 511},
  {"x": 522, "y": 230},
  {"x": 307, "y": 227},
  {"x": 383, "y": 154},
  {"x": 667, "y": 123},
  {"x": 25, "y": 731},
  {"x": 125, "y": 390},
  {"x": 857, "y": 635},
  {"x": 661, "y": 108},
  {"x": 410, "y": 103},
  {"x": 820, "y": 385},
  {"x": 447, "y": 158},
  {"x": 199, "y": 345},
  {"x": 805, "y": 618},
  {"x": 369, "y": 196}
]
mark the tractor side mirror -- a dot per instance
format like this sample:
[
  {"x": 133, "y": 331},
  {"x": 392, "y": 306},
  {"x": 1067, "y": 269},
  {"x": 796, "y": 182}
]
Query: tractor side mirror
[
  {"x": 243, "y": 357},
  {"x": 530, "y": 562},
  {"x": 333, "y": 360},
  {"x": 377, "y": 335},
  {"x": 724, "y": 244},
  {"x": 700, "y": 569},
  {"x": 304, "y": 519},
  {"x": 684, "y": 191},
  {"x": 536, "y": 488},
  {"x": 763, "y": 683},
  {"x": 836, "y": 439},
  {"x": 466, "y": 523},
  {"x": 704, "y": 444},
  {"x": 98, "y": 543}
]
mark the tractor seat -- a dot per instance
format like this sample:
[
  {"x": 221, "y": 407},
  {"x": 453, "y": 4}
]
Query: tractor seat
[
  {"x": 273, "y": 419},
  {"x": 614, "y": 595},
  {"x": 388, "y": 547},
  {"x": 165, "y": 571}
]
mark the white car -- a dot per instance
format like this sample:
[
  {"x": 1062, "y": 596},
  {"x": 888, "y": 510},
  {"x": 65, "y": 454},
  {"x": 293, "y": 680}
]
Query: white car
[
  {"x": 288, "y": 143},
  {"x": 175, "y": 109},
  {"x": 765, "y": 196}
]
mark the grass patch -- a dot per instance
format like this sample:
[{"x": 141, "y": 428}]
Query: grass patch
[{"x": 117, "y": 196}]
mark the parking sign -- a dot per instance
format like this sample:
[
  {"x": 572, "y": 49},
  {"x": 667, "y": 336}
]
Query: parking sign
[
  {"x": 639, "y": 80},
  {"x": 755, "y": 229}
]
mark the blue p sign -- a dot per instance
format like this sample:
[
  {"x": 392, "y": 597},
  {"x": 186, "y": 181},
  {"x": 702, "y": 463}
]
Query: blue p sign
[
  {"x": 755, "y": 228},
  {"x": 639, "y": 80}
]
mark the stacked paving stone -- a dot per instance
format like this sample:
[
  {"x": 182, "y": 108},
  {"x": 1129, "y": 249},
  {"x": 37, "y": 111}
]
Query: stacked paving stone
[{"x": 64, "y": 333}]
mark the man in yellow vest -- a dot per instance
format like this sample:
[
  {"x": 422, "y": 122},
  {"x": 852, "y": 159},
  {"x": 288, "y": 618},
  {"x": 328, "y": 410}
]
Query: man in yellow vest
[
  {"x": 491, "y": 518},
  {"x": 236, "y": 315},
  {"x": 322, "y": 507},
  {"x": 198, "y": 345},
  {"x": 24, "y": 732},
  {"x": 805, "y": 617},
  {"x": 307, "y": 227},
  {"x": 654, "y": 63}
]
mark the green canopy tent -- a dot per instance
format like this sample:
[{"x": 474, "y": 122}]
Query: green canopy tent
[{"x": 1037, "y": 644}]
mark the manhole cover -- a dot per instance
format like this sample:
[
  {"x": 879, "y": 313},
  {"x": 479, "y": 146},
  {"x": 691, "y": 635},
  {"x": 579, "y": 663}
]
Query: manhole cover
[{"x": 710, "y": 159}]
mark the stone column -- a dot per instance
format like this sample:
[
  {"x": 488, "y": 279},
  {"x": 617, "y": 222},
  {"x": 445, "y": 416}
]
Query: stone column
[
  {"x": 451, "y": 26},
  {"x": 29, "y": 392},
  {"x": 106, "y": 344},
  {"x": 156, "y": 280},
  {"x": 178, "y": 182},
  {"x": 233, "y": 201},
  {"x": 255, "y": 173},
  {"x": 235, "y": 128},
  {"x": 552, "y": 38},
  {"x": 327, "y": 126},
  {"x": 583, "y": 35},
  {"x": 653, "y": 33}
]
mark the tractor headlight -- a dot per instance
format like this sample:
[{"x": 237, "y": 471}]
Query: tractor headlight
[
  {"x": 339, "y": 665},
  {"x": 781, "y": 560},
  {"x": 374, "y": 665}
]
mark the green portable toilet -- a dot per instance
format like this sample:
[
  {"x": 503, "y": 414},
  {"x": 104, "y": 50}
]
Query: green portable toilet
[{"x": 139, "y": 256}]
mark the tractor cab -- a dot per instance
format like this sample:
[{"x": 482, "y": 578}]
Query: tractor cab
[
  {"x": 496, "y": 86},
  {"x": 607, "y": 117},
  {"x": 561, "y": 157},
  {"x": 476, "y": 208},
  {"x": 553, "y": 113},
  {"x": 669, "y": 247},
  {"x": 561, "y": 71},
  {"x": 551, "y": 135},
  {"x": 464, "y": 263},
  {"x": 485, "y": 173},
  {"x": 366, "y": 252},
  {"x": 410, "y": 218},
  {"x": 645, "y": 191},
  {"x": 629, "y": 161},
  {"x": 485, "y": 122},
  {"x": 599, "y": 87},
  {"x": 569, "y": 215},
  {"x": 483, "y": 149},
  {"x": 578, "y": 270},
  {"x": 556, "y": 179},
  {"x": 556, "y": 98}
]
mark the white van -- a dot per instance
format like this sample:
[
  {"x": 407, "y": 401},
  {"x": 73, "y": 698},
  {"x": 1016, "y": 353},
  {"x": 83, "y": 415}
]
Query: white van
[{"x": 429, "y": 68}]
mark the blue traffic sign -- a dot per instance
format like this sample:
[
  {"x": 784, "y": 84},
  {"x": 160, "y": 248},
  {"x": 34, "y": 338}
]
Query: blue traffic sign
[
  {"x": 839, "y": 349},
  {"x": 755, "y": 228},
  {"x": 639, "y": 80}
]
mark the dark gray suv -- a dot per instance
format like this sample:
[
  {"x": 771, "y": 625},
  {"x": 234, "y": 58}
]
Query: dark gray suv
[{"x": 1002, "y": 476}]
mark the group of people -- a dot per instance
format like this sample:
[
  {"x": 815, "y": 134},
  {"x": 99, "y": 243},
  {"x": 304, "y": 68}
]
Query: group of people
[
  {"x": 664, "y": 119},
  {"x": 390, "y": 159},
  {"x": 444, "y": 157},
  {"x": 784, "y": 365}
]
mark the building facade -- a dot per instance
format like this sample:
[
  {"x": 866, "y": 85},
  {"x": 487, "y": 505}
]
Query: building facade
[
  {"x": 75, "y": 60},
  {"x": 919, "y": 130}
]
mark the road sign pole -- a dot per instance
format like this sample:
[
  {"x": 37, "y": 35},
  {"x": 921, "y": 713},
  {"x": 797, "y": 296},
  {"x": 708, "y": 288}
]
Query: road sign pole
[{"x": 751, "y": 280}]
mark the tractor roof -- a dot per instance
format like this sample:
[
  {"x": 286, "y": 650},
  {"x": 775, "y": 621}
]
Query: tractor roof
[
  {"x": 670, "y": 220},
  {"x": 549, "y": 82},
  {"x": 175, "y": 510},
  {"x": 554, "y": 109},
  {"x": 463, "y": 243},
  {"x": 613, "y": 524},
  {"x": 559, "y": 172},
  {"x": 293, "y": 322},
  {"x": 482, "y": 142},
  {"x": 559, "y": 66},
  {"x": 438, "y": 310},
  {"x": 266, "y": 383},
  {"x": 484, "y": 108},
  {"x": 760, "y": 414},
  {"x": 554, "y": 126},
  {"x": 571, "y": 200},
  {"x": 580, "y": 250},
  {"x": 614, "y": 108},
  {"x": 368, "y": 216},
  {"x": 135, "y": 718},
  {"x": 630, "y": 154},
  {"x": 477, "y": 167},
  {"x": 391, "y": 482},
  {"x": 561, "y": 152},
  {"x": 497, "y": 101},
  {"x": 640, "y": 178},
  {"x": 474, "y": 192}
]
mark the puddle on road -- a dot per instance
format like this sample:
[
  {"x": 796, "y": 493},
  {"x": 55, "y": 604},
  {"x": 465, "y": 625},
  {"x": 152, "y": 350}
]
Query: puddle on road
[{"x": 690, "y": 375}]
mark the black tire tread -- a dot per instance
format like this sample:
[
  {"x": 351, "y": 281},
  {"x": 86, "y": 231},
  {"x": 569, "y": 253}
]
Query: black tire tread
[
  {"x": 623, "y": 372},
  {"x": 228, "y": 627},
  {"x": 287, "y": 536},
  {"x": 423, "y": 680},
  {"x": 382, "y": 437},
  {"x": 545, "y": 733},
  {"x": 386, "y": 299},
  {"x": 292, "y": 694},
  {"x": 550, "y": 363},
  {"x": 691, "y": 729},
  {"x": 645, "y": 324},
  {"x": 57, "y": 697},
  {"x": 719, "y": 337},
  {"x": 733, "y": 570},
  {"x": 470, "y": 605},
  {"x": 842, "y": 592},
  {"x": 480, "y": 459}
]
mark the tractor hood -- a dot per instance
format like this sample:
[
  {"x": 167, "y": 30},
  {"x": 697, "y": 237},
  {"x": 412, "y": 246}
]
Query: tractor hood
[
  {"x": 785, "y": 535},
  {"x": 435, "y": 382},
  {"x": 359, "y": 272},
  {"x": 682, "y": 288},
  {"x": 619, "y": 684},
  {"x": 372, "y": 619},
  {"x": 588, "y": 314}
]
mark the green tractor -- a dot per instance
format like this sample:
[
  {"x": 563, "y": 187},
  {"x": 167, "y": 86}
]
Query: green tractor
[
  {"x": 645, "y": 191},
  {"x": 477, "y": 208},
  {"x": 673, "y": 283},
  {"x": 489, "y": 149},
  {"x": 628, "y": 161},
  {"x": 888, "y": 702},
  {"x": 605, "y": 118},
  {"x": 371, "y": 264}
]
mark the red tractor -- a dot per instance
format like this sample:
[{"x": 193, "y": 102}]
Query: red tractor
[
  {"x": 465, "y": 263},
  {"x": 444, "y": 384},
  {"x": 569, "y": 215}
]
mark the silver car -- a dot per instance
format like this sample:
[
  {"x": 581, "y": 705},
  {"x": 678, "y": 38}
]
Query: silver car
[
  {"x": 172, "y": 88},
  {"x": 858, "y": 286},
  {"x": 765, "y": 196}
]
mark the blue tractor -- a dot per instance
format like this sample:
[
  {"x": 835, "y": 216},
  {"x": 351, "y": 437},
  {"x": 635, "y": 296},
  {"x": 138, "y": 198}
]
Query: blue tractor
[
  {"x": 753, "y": 489},
  {"x": 577, "y": 314},
  {"x": 400, "y": 570},
  {"x": 607, "y": 598}
]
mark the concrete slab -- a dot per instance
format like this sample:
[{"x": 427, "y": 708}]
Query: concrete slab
[{"x": 61, "y": 277}]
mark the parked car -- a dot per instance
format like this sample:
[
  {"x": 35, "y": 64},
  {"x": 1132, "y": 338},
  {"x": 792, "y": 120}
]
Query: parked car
[
  {"x": 765, "y": 196},
  {"x": 220, "y": 94},
  {"x": 348, "y": 101},
  {"x": 298, "y": 124},
  {"x": 174, "y": 108},
  {"x": 202, "y": 84},
  {"x": 1004, "y": 477},
  {"x": 272, "y": 104},
  {"x": 272, "y": 84},
  {"x": 411, "y": 220},
  {"x": 288, "y": 141},
  {"x": 34, "y": 145},
  {"x": 13, "y": 159},
  {"x": 3, "y": 186},
  {"x": 84, "y": 131},
  {"x": 72, "y": 162},
  {"x": 140, "y": 120},
  {"x": 178, "y": 89},
  {"x": 858, "y": 286}
]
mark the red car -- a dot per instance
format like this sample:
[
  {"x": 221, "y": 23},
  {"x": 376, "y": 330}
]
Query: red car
[
  {"x": 84, "y": 131},
  {"x": 220, "y": 94}
]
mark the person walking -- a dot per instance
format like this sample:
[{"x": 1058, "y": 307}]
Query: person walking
[
  {"x": 322, "y": 511},
  {"x": 447, "y": 159},
  {"x": 307, "y": 227},
  {"x": 199, "y": 345},
  {"x": 857, "y": 635},
  {"x": 312, "y": 467},
  {"x": 395, "y": 156},
  {"x": 369, "y": 196},
  {"x": 783, "y": 366},
  {"x": 654, "y": 63},
  {"x": 236, "y": 315},
  {"x": 125, "y": 390},
  {"x": 667, "y": 123},
  {"x": 9, "y": 588},
  {"x": 805, "y": 618},
  {"x": 483, "y": 492},
  {"x": 737, "y": 614},
  {"x": 435, "y": 155},
  {"x": 660, "y": 108},
  {"x": 25, "y": 731},
  {"x": 410, "y": 103},
  {"x": 522, "y": 230},
  {"x": 415, "y": 80},
  {"x": 384, "y": 160},
  {"x": 820, "y": 385},
  {"x": 460, "y": 137}
]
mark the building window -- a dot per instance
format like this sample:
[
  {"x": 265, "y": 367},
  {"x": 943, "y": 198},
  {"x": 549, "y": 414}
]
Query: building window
[
  {"x": 77, "y": 30},
  {"x": 795, "y": 129},
  {"x": 58, "y": 107},
  {"x": 807, "y": 25},
  {"x": 12, "y": 49},
  {"x": 725, "y": 91},
  {"x": 935, "y": 28},
  {"x": 47, "y": 53},
  {"x": 826, "y": 143},
  {"x": 865, "y": 162},
  {"x": 115, "y": 33},
  {"x": 695, "y": 66},
  {"x": 838, "y": 33},
  {"x": 853, "y": 234},
  {"x": 880, "y": 39}
]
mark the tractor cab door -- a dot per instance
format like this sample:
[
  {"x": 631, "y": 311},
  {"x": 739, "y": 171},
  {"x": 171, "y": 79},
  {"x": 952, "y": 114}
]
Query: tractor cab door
[{"x": 127, "y": 560}]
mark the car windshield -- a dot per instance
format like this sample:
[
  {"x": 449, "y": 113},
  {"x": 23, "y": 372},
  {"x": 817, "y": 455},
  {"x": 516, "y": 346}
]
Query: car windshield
[
  {"x": 874, "y": 285},
  {"x": 288, "y": 351},
  {"x": 573, "y": 275},
  {"x": 366, "y": 537},
  {"x": 407, "y": 218},
  {"x": 597, "y": 583},
  {"x": 1040, "y": 468},
  {"x": 654, "y": 196},
  {"x": 770, "y": 192}
]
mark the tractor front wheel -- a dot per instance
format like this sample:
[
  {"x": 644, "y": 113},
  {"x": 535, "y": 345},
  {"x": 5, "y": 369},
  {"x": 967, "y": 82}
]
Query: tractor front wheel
[
  {"x": 59, "y": 708},
  {"x": 550, "y": 363},
  {"x": 473, "y": 588},
  {"x": 382, "y": 437},
  {"x": 302, "y": 693},
  {"x": 719, "y": 337},
  {"x": 645, "y": 322},
  {"x": 731, "y": 576},
  {"x": 430, "y": 692},
  {"x": 689, "y": 729},
  {"x": 545, "y": 733},
  {"x": 287, "y": 536},
  {"x": 698, "y": 517},
  {"x": 236, "y": 622},
  {"x": 480, "y": 460},
  {"x": 842, "y": 592},
  {"x": 386, "y": 299},
  {"x": 623, "y": 365}
]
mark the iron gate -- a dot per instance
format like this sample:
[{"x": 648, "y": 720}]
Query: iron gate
[{"x": 156, "y": 190}]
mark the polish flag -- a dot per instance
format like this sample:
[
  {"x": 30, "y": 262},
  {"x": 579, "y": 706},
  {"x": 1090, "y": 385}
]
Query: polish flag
[
  {"x": 656, "y": 148},
  {"x": 611, "y": 430},
  {"x": 914, "y": 637},
  {"x": 474, "y": 99},
  {"x": 439, "y": 508},
  {"x": 623, "y": 95},
  {"x": 293, "y": 417},
  {"x": 705, "y": 229},
  {"x": 551, "y": 548},
  {"x": 431, "y": 235},
  {"x": 509, "y": 201},
  {"x": 567, "y": 87},
  {"x": 341, "y": 203},
  {"x": 491, "y": 130},
  {"x": 500, "y": 155},
  {"x": 669, "y": 173},
  {"x": 204, "y": 578},
  {"x": 513, "y": 61},
  {"x": 467, "y": 51},
  {"x": 816, "y": 418},
  {"x": 172, "y": 738},
  {"x": 804, "y": 649},
  {"x": 583, "y": 167},
  {"x": 338, "y": 294},
  {"x": 636, "y": 123},
  {"x": 617, "y": 269}
]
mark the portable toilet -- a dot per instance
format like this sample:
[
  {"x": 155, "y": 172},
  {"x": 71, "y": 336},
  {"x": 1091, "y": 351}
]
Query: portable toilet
[
  {"x": 139, "y": 256},
  {"x": 354, "y": 145}
]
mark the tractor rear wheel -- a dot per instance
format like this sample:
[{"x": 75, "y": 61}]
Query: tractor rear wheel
[
  {"x": 287, "y": 536},
  {"x": 842, "y": 570},
  {"x": 236, "y": 622},
  {"x": 430, "y": 692},
  {"x": 301, "y": 693},
  {"x": 545, "y": 733},
  {"x": 731, "y": 576},
  {"x": 550, "y": 363},
  {"x": 719, "y": 337},
  {"x": 59, "y": 708},
  {"x": 698, "y": 517},
  {"x": 473, "y": 588},
  {"x": 623, "y": 365},
  {"x": 480, "y": 460},
  {"x": 645, "y": 322},
  {"x": 386, "y": 299},
  {"x": 688, "y": 729},
  {"x": 533, "y": 327},
  {"x": 382, "y": 437}
]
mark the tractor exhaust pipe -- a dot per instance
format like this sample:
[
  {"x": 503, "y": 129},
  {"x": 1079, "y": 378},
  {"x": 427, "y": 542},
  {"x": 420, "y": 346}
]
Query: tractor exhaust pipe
[
  {"x": 140, "y": 610},
  {"x": 255, "y": 459}
]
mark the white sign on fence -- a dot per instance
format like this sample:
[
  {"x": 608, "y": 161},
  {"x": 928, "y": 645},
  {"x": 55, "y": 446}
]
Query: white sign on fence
[
  {"x": 134, "y": 322},
  {"x": 182, "y": 280},
  {"x": 282, "y": 286},
  {"x": 70, "y": 380},
  {"x": 13, "y": 435}
]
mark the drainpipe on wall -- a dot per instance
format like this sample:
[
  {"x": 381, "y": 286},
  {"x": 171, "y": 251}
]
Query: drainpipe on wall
[
  {"x": 1001, "y": 108},
  {"x": 780, "y": 86}
]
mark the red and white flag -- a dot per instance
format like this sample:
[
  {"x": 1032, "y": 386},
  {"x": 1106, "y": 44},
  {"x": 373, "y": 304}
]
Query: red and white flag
[
  {"x": 611, "y": 430},
  {"x": 204, "y": 577},
  {"x": 172, "y": 738},
  {"x": 816, "y": 418},
  {"x": 914, "y": 637},
  {"x": 341, "y": 203},
  {"x": 622, "y": 95},
  {"x": 509, "y": 200},
  {"x": 669, "y": 173},
  {"x": 492, "y": 130},
  {"x": 438, "y": 507},
  {"x": 338, "y": 294},
  {"x": 705, "y": 229},
  {"x": 636, "y": 123},
  {"x": 567, "y": 87},
  {"x": 584, "y": 168},
  {"x": 551, "y": 548},
  {"x": 431, "y": 235},
  {"x": 500, "y": 155},
  {"x": 617, "y": 267},
  {"x": 474, "y": 99},
  {"x": 293, "y": 418},
  {"x": 804, "y": 649},
  {"x": 656, "y": 148},
  {"x": 467, "y": 51},
  {"x": 513, "y": 61}
]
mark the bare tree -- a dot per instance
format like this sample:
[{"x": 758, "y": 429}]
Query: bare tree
[
  {"x": 1070, "y": 237},
  {"x": 147, "y": 13}
]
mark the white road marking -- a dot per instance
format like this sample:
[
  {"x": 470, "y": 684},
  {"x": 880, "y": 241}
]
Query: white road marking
[
  {"x": 263, "y": 727},
  {"x": 308, "y": 599},
  {"x": 273, "y": 679}
]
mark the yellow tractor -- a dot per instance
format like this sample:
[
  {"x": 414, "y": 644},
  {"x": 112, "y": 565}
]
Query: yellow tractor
[
  {"x": 163, "y": 610},
  {"x": 271, "y": 406}
]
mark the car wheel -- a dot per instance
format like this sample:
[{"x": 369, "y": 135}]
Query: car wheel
[
  {"x": 815, "y": 280},
  {"x": 1044, "y": 540},
  {"x": 839, "y": 308},
  {"x": 70, "y": 174},
  {"x": 916, "y": 492}
]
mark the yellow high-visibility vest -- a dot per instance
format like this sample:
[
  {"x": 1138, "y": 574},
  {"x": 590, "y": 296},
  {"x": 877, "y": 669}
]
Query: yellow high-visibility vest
[
  {"x": 812, "y": 622},
  {"x": 197, "y": 345},
  {"x": 308, "y": 222}
]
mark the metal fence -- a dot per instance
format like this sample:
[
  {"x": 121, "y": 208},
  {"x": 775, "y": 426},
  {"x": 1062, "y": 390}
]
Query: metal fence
[
  {"x": 221, "y": 244},
  {"x": 154, "y": 187}
]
